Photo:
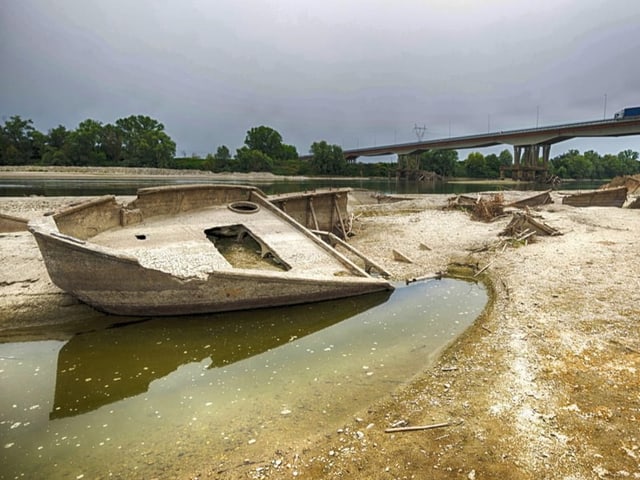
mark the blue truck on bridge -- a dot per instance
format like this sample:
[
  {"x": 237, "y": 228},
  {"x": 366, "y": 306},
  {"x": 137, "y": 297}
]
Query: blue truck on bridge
[{"x": 627, "y": 112}]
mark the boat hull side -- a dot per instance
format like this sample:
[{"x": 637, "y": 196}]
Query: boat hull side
[
  {"x": 614, "y": 197},
  {"x": 120, "y": 285}
]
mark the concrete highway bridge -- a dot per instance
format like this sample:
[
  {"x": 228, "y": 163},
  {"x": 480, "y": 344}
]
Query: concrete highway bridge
[{"x": 528, "y": 144}]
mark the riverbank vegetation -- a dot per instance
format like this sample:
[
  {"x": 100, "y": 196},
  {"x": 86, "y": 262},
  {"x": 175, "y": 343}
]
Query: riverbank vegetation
[{"x": 141, "y": 141}]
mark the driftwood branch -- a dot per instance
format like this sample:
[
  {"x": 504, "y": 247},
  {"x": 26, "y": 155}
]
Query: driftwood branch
[
  {"x": 449, "y": 369},
  {"x": 483, "y": 268},
  {"x": 418, "y": 427},
  {"x": 431, "y": 276}
]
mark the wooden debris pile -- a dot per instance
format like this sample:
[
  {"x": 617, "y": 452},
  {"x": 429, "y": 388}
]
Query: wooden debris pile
[
  {"x": 489, "y": 208},
  {"x": 522, "y": 230},
  {"x": 481, "y": 208},
  {"x": 524, "y": 225}
]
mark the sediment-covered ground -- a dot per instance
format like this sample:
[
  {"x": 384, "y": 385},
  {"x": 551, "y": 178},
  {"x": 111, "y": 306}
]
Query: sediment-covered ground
[{"x": 546, "y": 384}]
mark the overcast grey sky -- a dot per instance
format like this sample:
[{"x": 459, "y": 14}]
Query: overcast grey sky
[{"x": 351, "y": 72}]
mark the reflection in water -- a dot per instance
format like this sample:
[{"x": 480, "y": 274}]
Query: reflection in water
[
  {"x": 167, "y": 398},
  {"x": 101, "y": 367}
]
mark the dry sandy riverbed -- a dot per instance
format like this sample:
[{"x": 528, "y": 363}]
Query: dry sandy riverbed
[{"x": 546, "y": 384}]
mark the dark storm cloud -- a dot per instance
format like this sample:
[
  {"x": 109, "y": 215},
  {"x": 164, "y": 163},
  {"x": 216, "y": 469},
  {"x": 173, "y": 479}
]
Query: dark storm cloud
[{"x": 354, "y": 73}]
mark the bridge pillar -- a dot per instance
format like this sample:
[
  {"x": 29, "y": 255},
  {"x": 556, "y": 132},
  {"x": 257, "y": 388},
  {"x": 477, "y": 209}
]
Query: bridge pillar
[
  {"x": 532, "y": 153},
  {"x": 517, "y": 151},
  {"x": 515, "y": 171},
  {"x": 526, "y": 165},
  {"x": 546, "y": 152}
]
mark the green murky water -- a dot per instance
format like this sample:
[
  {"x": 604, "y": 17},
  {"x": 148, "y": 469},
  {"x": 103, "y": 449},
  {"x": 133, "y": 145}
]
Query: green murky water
[{"x": 163, "y": 398}]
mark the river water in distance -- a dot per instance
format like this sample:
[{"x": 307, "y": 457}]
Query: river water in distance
[
  {"x": 112, "y": 185},
  {"x": 167, "y": 397}
]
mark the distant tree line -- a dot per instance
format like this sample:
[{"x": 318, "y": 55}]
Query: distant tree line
[
  {"x": 569, "y": 165},
  {"x": 263, "y": 151},
  {"x": 590, "y": 164},
  {"x": 140, "y": 141},
  {"x": 446, "y": 163},
  {"x": 135, "y": 141}
]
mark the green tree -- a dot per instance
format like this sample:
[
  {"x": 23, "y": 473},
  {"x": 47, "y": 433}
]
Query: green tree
[
  {"x": 56, "y": 147},
  {"x": 221, "y": 161},
  {"x": 609, "y": 166},
  {"x": 506, "y": 158},
  {"x": 443, "y": 162},
  {"x": 145, "y": 143},
  {"x": 327, "y": 159},
  {"x": 559, "y": 165},
  {"x": 581, "y": 167},
  {"x": 492, "y": 166},
  {"x": 111, "y": 144},
  {"x": 475, "y": 165},
  {"x": 597, "y": 168},
  {"x": 253, "y": 160},
  {"x": 223, "y": 154},
  {"x": 573, "y": 165},
  {"x": 57, "y": 137},
  {"x": 629, "y": 163},
  {"x": 288, "y": 152},
  {"x": 628, "y": 155},
  {"x": 269, "y": 141},
  {"x": 85, "y": 144},
  {"x": 38, "y": 146},
  {"x": 16, "y": 141},
  {"x": 265, "y": 140}
]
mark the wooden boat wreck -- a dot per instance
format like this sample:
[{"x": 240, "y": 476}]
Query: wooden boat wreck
[
  {"x": 543, "y": 198},
  {"x": 317, "y": 210},
  {"x": 192, "y": 249},
  {"x": 608, "y": 197}
]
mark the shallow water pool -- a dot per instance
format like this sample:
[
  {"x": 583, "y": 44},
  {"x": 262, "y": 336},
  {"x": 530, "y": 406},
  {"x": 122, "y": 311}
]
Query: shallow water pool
[{"x": 161, "y": 398}]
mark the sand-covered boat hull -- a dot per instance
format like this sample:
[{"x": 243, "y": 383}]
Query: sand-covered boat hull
[
  {"x": 130, "y": 289},
  {"x": 125, "y": 282}
]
